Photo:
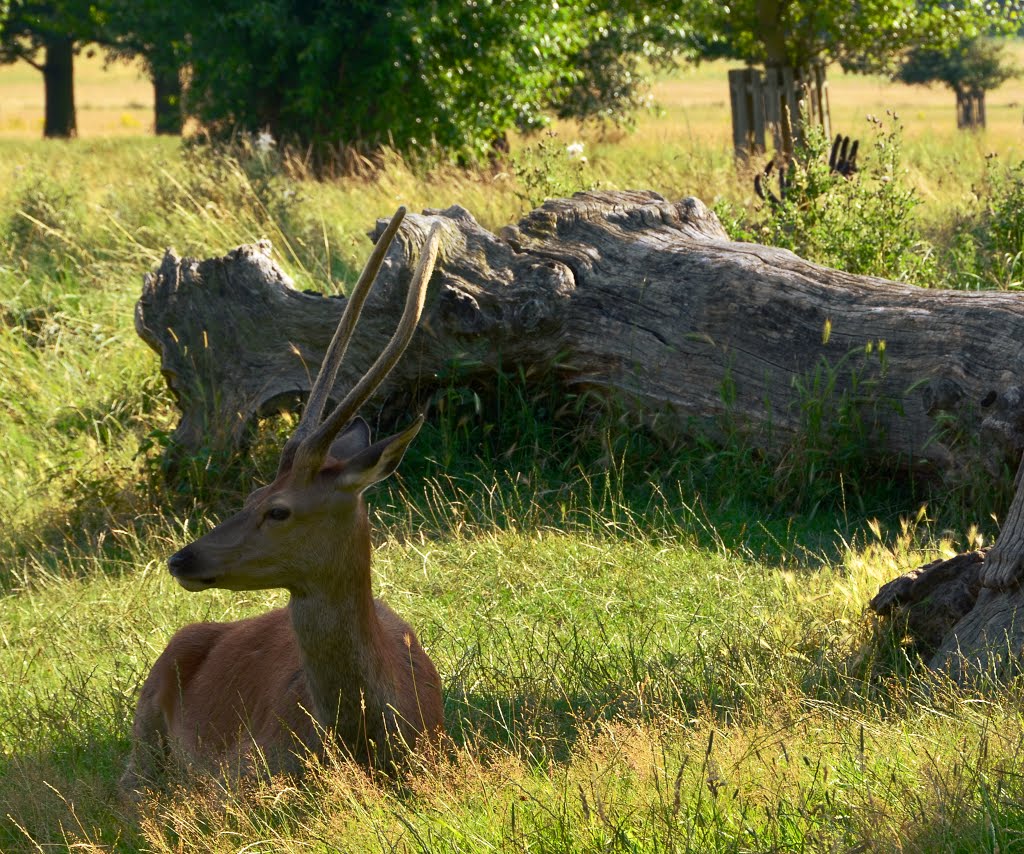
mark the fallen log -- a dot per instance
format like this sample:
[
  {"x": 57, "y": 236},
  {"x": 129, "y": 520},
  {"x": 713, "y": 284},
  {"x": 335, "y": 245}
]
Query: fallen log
[
  {"x": 639, "y": 300},
  {"x": 964, "y": 614}
]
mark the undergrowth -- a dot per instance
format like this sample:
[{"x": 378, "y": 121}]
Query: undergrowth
[{"x": 862, "y": 223}]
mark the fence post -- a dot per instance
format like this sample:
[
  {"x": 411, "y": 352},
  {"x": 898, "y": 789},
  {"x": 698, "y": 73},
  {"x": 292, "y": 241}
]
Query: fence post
[
  {"x": 740, "y": 116},
  {"x": 779, "y": 100}
]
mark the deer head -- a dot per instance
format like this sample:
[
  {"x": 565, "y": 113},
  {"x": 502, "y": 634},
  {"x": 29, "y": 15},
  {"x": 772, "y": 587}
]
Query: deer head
[{"x": 312, "y": 515}]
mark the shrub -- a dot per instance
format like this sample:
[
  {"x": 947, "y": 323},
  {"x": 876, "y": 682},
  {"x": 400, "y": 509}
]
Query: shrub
[{"x": 863, "y": 224}]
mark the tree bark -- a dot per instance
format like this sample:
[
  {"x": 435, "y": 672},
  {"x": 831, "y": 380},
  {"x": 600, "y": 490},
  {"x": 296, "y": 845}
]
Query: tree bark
[
  {"x": 638, "y": 300},
  {"x": 772, "y": 34},
  {"x": 168, "y": 119},
  {"x": 59, "y": 84},
  {"x": 964, "y": 614}
]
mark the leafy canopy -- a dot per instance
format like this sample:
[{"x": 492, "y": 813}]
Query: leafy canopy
[
  {"x": 26, "y": 26},
  {"x": 866, "y": 35},
  {"x": 447, "y": 73},
  {"x": 971, "y": 66}
]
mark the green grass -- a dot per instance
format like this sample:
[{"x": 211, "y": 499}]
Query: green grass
[
  {"x": 627, "y": 689},
  {"x": 642, "y": 648}
]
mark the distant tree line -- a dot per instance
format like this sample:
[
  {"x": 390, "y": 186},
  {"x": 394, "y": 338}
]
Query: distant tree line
[{"x": 454, "y": 75}]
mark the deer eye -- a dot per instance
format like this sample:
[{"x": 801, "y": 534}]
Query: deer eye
[{"x": 278, "y": 514}]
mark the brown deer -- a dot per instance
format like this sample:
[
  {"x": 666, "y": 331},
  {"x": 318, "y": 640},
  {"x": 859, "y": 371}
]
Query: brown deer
[{"x": 260, "y": 693}]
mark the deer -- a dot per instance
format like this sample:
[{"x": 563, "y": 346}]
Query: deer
[{"x": 335, "y": 665}]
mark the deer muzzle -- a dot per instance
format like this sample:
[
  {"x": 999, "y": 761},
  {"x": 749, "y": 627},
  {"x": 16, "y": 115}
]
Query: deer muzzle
[{"x": 187, "y": 569}]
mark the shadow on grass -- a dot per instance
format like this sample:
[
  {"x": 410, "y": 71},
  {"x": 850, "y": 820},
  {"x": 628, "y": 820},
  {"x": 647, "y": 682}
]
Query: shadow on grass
[{"x": 53, "y": 799}]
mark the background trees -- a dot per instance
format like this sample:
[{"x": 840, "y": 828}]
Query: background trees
[
  {"x": 157, "y": 32},
  {"x": 449, "y": 74},
  {"x": 797, "y": 33},
  {"x": 47, "y": 36},
  {"x": 970, "y": 68},
  {"x": 452, "y": 76}
]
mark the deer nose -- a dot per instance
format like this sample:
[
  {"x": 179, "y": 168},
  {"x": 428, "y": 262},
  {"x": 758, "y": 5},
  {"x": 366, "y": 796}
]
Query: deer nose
[{"x": 181, "y": 562}]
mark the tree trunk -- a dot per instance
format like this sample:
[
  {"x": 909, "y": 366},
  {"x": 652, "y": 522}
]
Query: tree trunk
[
  {"x": 638, "y": 300},
  {"x": 772, "y": 34},
  {"x": 964, "y": 614},
  {"x": 59, "y": 83},
  {"x": 167, "y": 101},
  {"x": 970, "y": 109}
]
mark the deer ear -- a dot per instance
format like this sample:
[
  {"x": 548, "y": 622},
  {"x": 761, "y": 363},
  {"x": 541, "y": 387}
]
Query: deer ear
[
  {"x": 379, "y": 460},
  {"x": 353, "y": 439}
]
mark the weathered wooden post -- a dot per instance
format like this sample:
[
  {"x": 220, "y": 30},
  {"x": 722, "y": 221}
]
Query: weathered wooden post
[
  {"x": 748, "y": 117},
  {"x": 780, "y": 100}
]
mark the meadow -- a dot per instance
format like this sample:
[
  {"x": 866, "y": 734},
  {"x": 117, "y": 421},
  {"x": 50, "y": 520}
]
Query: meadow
[{"x": 643, "y": 648}]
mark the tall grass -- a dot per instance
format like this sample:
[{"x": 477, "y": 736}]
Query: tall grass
[{"x": 643, "y": 648}]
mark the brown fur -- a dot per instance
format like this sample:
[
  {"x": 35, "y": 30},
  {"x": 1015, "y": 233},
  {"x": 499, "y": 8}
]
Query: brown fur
[{"x": 253, "y": 672}]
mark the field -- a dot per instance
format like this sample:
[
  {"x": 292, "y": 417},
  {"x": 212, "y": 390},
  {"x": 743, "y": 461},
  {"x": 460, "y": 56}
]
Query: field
[{"x": 643, "y": 648}]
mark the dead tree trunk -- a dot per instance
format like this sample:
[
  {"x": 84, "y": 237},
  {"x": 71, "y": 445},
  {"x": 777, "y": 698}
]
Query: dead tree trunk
[
  {"x": 639, "y": 300},
  {"x": 965, "y": 614}
]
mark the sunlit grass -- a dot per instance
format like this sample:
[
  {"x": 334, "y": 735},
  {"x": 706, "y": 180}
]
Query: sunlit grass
[
  {"x": 640, "y": 651},
  {"x": 599, "y": 690}
]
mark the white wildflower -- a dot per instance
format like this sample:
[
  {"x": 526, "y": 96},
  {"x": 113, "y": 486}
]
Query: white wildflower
[
  {"x": 575, "y": 151},
  {"x": 264, "y": 142}
]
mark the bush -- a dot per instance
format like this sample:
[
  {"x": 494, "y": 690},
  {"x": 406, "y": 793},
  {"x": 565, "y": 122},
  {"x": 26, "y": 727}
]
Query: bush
[
  {"x": 863, "y": 224},
  {"x": 447, "y": 74},
  {"x": 983, "y": 245}
]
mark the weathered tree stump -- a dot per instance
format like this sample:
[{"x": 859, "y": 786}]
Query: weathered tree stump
[
  {"x": 634, "y": 298},
  {"x": 965, "y": 613},
  {"x": 932, "y": 599}
]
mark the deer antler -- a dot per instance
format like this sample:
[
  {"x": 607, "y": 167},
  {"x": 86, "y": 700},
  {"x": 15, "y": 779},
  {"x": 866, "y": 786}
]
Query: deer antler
[
  {"x": 761, "y": 187},
  {"x": 321, "y": 390},
  {"x": 308, "y": 447},
  {"x": 841, "y": 161}
]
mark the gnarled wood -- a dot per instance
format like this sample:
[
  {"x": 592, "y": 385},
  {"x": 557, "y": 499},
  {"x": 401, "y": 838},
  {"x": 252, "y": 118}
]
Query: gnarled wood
[
  {"x": 934, "y": 598},
  {"x": 965, "y": 612},
  {"x": 643, "y": 300},
  {"x": 1005, "y": 565}
]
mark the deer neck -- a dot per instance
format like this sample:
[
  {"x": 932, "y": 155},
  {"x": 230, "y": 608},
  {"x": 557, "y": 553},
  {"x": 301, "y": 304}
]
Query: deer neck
[{"x": 340, "y": 639}]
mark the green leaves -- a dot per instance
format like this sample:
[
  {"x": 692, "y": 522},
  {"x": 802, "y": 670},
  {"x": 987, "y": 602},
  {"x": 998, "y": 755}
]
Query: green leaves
[
  {"x": 970, "y": 65},
  {"x": 447, "y": 74},
  {"x": 864, "y": 36}
]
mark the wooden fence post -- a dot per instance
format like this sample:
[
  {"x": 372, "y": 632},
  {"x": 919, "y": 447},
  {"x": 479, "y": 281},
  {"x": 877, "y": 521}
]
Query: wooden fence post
[
  {"x": 780, "y": 99},
  {"x": 748, "y": 118}
]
